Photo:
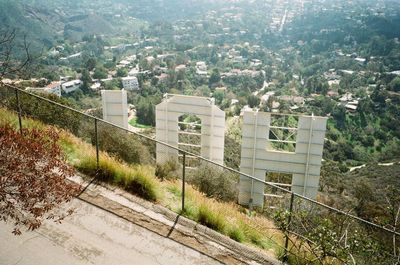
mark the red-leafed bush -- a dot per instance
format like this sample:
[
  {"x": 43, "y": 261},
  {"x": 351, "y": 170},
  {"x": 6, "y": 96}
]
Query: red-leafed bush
[{"x": 33, "y": 175}]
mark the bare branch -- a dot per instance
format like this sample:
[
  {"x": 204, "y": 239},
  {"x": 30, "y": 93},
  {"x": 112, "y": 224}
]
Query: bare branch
[{"x": 10, "y": 64}]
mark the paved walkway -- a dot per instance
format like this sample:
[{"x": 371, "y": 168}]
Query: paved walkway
[
  {"x": 93, "y": 236},
  {"x": 111, "y": 226}
]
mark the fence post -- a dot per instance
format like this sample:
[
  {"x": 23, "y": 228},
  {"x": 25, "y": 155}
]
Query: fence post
[
  {"x": 18, "y": 110},
  {"x": 183, "y": 180},
  {"x": 285, "y": 257},
  {"x": 96, "y": 137}
]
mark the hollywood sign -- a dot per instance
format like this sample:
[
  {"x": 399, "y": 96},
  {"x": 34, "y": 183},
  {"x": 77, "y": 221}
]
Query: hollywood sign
[
  {"x": 210, "y": 125},
  {"x": 115, "y": 107},
  {"x": 271, "y": 143}
]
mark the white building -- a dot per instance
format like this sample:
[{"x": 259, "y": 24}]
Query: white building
[
  {"x": 95, "y": 86},
  {"x": 266, "y": 96},
  {"x": 180, "y": 67},
  {"x": 134, "y": 71},
  {"x": 130, "y": 83},
  {"x": 71, "y": 86},
  {"x": 255, "y": 62},
  {"x": 360, "y": 60},
  {"x": 52, "y": 88},
  {"x": 346, "y": 98},
  {"x": 201, "y": 68}
]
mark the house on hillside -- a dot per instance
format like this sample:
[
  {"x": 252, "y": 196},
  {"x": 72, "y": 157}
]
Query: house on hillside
[
  {"x": 352, "y": 106},
  {"x": 180, "y": 67},
  {"x": 234, "y": 101},
  {"x": 71, "y": 86},
  {"x": 123, "y": 63},
  {"x": 201, "y": 68},
  {"x": 275, "y": 106},
  {"x": 150, "y": 59},
  {"x": 255, "y": 63},
  {"x": 134, "y": 71},
  {"x": 346, "y": 98},
  {"x": 267, "y": 96},
  {"x": 221, "y": 89},
  {"x": 95, "y": 86},
  {"x": 332, "y": 93},
  {"x": 292, "y": 99},
  {"x": 52, "y": 88},
  {"x": 162, "y": 78},
  {"x": 130, "y": 83}
]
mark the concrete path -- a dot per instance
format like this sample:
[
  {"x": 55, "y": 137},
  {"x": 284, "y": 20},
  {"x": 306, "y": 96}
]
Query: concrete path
[
  {"x": 93, "y": 236},
  {"x": 111, "y": 226}
]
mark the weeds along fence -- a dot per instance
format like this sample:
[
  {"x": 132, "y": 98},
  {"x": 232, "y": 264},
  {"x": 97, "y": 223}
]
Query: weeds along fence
[{"x": 314, "y": 233}]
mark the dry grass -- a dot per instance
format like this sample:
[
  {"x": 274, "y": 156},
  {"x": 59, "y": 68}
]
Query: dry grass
[
  {"x": 8, "y": 117},
  {"x": 227, "y": 218},
  {"x": 137, "y": 179}
]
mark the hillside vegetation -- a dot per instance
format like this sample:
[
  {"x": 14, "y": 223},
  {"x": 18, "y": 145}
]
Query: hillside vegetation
[
  {"x": 226, "y": 218},
  {"x": 49, "y": 23}
]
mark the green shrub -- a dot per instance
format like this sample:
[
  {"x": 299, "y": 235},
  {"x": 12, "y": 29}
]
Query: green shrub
[
  {"x": 210, "y": 218},
  {"x": 191, "y": 210},
  {"x": 49, "y": 113},
  {"x": 137, "y": 180},
  {"x": 168, "y": 170},
  {"x": 125, "y": 146},
  {"x": 254, "y": 236},
  {"x": 143, "y": 184},
  {"x": 215, "y": 182},
  {"x": 236, "y": 234},
  {"x": 107, "y": 170}
]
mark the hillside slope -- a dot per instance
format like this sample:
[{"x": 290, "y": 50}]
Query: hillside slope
[{"x": 14, "y": 15}]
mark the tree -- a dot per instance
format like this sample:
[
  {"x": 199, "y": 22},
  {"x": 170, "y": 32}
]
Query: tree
[
  {"x": 331, "y": 178},
  {"x": 100, "y": 73},
  {"x": 339, "y": 113},
  {"x": 33, "y": 176},
  {"x": 126, "y": 147},
  {"x": 51, "y": 113},
  {"x": 87, "y": 80},
  {"x": 121, "y": 72},
  {"x": 253, "y": 101},
  {"x": 393, "y": 208},
  {"x": 219, "y": 96},
  {"x": 51, "y": 75},
  {"x": 214, "y": 183},
  {"x": 90, "y": 64},
  {"x": 145, "y": 112},
  {"x": 215, "y": 77},
  {"x": 395, "y": 84},
  {"x": 11, "y": 64},
  {"x": 203, "y": 91}
]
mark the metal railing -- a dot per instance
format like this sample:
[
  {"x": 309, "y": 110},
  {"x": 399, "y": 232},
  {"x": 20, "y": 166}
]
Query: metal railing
[{"x": 298, "y": 215}]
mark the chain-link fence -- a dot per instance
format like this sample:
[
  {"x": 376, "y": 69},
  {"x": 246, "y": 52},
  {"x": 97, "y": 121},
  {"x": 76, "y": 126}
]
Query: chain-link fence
[
  {"x": 316, "y": 233},
  {"x": 313, "y": 232}
]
